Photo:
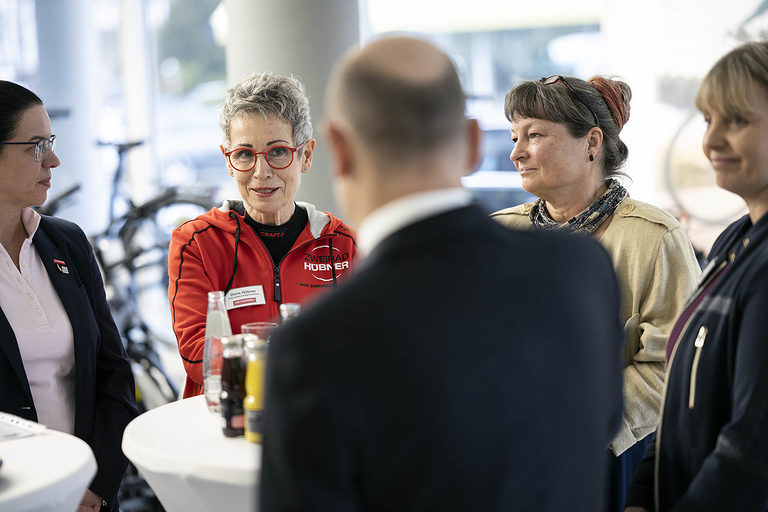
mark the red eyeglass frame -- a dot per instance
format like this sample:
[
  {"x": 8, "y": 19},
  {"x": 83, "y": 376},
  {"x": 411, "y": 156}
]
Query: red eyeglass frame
[{"x": 257, "y": 153}]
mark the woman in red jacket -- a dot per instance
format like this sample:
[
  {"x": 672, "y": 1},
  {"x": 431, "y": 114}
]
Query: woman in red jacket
[{"x": 264, "y": 249}]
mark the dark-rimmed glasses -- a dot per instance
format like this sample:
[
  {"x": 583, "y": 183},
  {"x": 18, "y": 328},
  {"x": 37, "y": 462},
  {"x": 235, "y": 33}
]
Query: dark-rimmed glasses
[
  {"x": 277, "y": 157},
  {"x": 553, "y": 79},
  {"x": 42, "y": 147}
]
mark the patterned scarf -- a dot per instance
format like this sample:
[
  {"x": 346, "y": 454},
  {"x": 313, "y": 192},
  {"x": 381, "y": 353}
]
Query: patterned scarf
[{"x": 588, "y": 220}]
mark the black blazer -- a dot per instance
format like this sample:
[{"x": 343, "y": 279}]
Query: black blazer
[
  {"x": 464, "y": 367},
  {"x": 104, "y": 388},
  {"x": 711, "y": 451}
]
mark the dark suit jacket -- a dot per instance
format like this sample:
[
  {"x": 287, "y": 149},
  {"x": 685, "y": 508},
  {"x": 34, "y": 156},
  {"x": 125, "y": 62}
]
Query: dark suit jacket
[
  {"x": 465, "y": 367},
  {"x": 104, "y": 389}
]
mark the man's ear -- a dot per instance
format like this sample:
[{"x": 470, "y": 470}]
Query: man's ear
[
  {"x": 474, "y": 140},
  {"x": 340, "y": 149}
]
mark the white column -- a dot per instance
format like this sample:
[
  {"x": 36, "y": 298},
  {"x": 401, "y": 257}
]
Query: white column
[
  {"x": 301, "y": 38},
  {"x": 67, "y": 80},
  {"x": 137, "y": 71}
]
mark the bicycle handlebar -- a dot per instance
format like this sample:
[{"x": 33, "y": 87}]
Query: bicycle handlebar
[
  {"x": 124, "y": 226},
  {"x": 121, "y": 147},
  {"x": 52, "y": 206}
]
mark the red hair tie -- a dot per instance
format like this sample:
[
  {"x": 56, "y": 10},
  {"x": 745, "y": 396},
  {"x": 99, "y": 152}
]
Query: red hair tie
[{"x": 614, "y": 98}]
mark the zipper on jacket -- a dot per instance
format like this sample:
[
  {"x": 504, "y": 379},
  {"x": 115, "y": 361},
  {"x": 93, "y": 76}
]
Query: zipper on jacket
[
  {"x": 699, "y": 344},
  {"x": 333, "y": 265},
  {"x": 276, "y": 268},
  {"x": 702, "y": 286},
  {"x": 276, "y": 271}
]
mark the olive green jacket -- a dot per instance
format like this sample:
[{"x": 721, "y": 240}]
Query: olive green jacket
[{"x": 657, "y": 271}]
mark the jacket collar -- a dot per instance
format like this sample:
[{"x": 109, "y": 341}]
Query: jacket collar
[
  {"x": 317, "y": 220},
  {"x": 60, "y": 265}
]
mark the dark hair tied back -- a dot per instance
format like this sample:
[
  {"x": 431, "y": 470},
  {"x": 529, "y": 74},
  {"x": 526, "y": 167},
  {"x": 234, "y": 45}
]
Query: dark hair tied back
[
  {"x": 615, "y": 98},
  {"x": 14, "y": 100}
]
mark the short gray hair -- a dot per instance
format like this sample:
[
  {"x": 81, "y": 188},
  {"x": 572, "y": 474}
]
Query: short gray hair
[{"x": 268, "y": 94}]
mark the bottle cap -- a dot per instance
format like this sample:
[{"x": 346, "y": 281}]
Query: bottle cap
[
  {"x": 289, "y": 309},
  {"x": 215, "y": 295},
  {"x": 233, "y": 341},
  {"x": 252, "y": 344}
]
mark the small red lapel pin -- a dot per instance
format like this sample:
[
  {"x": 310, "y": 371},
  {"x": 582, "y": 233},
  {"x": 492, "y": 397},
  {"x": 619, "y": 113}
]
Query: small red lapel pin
[{"x": 61, "y": 265}]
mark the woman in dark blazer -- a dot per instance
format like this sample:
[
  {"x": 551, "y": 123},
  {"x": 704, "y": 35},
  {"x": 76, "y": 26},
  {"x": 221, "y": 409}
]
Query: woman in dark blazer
[
  {"x": 711, "y": 448},
  {"x": 62, "y": 361}
]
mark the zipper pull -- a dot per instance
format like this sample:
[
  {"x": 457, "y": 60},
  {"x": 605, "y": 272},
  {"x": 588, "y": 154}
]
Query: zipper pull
[
  {"x": 698, "y": 343},
  {"x": 278, "y": 295},
  {"x": 700, "y": 337}
]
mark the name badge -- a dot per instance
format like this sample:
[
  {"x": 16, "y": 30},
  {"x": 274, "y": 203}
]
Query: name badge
[{"x": 245, "y": 296}]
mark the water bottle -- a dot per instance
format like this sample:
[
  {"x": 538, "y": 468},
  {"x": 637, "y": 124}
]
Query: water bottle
[{"x": 216, "y": 327}]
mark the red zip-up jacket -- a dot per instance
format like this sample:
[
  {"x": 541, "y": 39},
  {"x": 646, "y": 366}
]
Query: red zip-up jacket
[{"x": 219, "y": 251}]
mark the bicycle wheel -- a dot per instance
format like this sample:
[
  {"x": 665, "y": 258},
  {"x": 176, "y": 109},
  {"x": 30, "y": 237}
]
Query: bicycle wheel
[
  {"x": 133, "y": 254},
  {"x": 147, "y": 243},
  {"x": 691, "y": 180}
]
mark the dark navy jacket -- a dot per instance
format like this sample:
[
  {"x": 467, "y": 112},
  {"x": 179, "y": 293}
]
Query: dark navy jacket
[
  {"x": 464, "y": 367},
  {"x": 712, "y": 441},
  {"x": 104, "y": 388}
]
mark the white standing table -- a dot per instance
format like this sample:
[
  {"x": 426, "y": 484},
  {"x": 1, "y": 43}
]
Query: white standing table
[
  {"x": 46, "y": 472},
  {"x": 181, "y": 452}
]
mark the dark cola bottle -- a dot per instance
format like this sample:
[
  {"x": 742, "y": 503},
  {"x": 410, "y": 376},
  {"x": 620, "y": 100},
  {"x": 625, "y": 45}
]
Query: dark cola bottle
[{"x": 232, "y": 386}]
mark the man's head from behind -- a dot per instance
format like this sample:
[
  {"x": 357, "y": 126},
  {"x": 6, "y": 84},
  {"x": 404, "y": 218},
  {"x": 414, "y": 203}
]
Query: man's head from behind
[{"x": 396, "y": 124}]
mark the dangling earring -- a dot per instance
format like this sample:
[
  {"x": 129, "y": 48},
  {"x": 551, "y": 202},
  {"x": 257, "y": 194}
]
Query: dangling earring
[{"x": 591, "y": 158}]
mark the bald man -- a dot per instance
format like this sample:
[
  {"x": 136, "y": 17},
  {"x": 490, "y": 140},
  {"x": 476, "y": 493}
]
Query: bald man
[{"x": 464, "y": 366}]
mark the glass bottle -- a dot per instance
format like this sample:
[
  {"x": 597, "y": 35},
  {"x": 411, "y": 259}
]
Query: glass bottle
[
  {"x": 216, "y": 327},
  {"x": 232, "y": 385},
  {"x": 256, "y": 357}
]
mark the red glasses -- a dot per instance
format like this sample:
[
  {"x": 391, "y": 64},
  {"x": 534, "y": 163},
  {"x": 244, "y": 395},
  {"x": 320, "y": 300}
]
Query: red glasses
[{"x": 277, "y": 157}]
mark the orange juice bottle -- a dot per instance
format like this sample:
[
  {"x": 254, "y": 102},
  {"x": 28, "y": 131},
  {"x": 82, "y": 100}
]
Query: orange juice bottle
[{"x": 253, "y": 404}]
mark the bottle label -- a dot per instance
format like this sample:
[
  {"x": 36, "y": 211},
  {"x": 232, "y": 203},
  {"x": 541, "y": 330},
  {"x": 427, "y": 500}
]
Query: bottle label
[
  {"x": 234, "y": 417},
  {"x": 245, "y": 296},
  {"x": 253, "y": 420},
  {"x": 238, "y": 421}
]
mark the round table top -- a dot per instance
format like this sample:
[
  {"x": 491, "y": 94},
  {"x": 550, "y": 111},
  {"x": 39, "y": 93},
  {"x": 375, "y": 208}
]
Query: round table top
[
  {"x": 184, "y": 438},
  {"x": 44, "y": 472}
]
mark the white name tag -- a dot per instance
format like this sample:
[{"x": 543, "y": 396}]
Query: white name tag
[{"x": 246, "y": 296}]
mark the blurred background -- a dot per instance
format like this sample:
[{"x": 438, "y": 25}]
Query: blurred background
[
  {"x": 133, "y": 88},
  {"x": 155, "y": 71}
]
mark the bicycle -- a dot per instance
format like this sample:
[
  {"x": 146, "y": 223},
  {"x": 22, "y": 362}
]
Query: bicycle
[
  {"x": 53, "y": 205},
  {"x": 132, "y": 253},
  {"x": 703, "y": 207}
]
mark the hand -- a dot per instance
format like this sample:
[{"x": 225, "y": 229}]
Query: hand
[
  {"x": 90, "y": 502},
  {"x": 635, "y": 509}
]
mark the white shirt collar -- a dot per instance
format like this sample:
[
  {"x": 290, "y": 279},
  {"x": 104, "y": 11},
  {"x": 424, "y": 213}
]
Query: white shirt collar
[
  {"x": 406, "y": 210},
  {"x": 31, "y": 220}
]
